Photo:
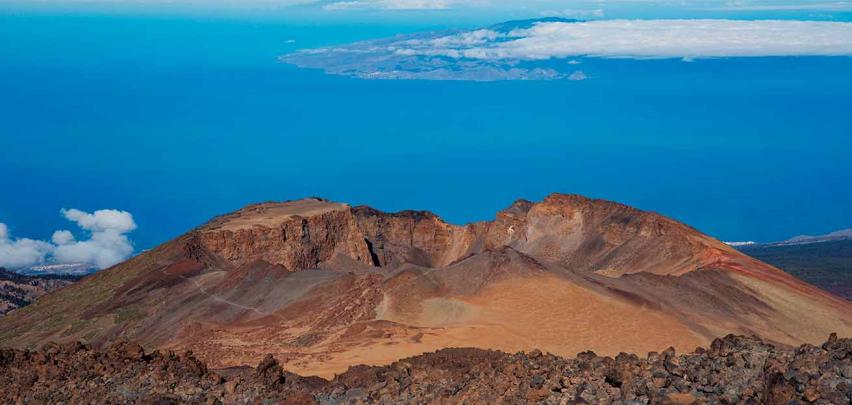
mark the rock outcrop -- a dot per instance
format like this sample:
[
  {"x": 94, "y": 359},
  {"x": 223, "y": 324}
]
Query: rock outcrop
[
  {"x": 297, "y": 235},
  {"x": 571, "y": 230}
]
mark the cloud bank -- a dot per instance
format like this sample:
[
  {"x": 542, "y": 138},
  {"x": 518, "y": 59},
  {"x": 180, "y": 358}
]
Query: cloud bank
[
  {"x": 577, "y": 8},
  {"x": 743, "y": 5},
  {"x": 511, "y": 50},
  {"x": 390, "y": 5},
  {"x": 667, "y": 39},
  {"x": 107, "y": 242},
  {"x": 21, "y": 252}
]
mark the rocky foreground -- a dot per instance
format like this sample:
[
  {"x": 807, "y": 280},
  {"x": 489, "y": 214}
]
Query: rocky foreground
[{"x": 734, "y": 369}]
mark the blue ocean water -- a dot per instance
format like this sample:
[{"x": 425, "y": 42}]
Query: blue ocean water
[{"x": 177, "y": 119}]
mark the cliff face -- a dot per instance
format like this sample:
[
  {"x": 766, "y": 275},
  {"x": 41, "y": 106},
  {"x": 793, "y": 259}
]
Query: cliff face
[
  {"x": 323, "y": 286},
  {"x": 300, "y": 236},
  {"x": 574, "y": 231},
  {"x": 416, "y": 237}
]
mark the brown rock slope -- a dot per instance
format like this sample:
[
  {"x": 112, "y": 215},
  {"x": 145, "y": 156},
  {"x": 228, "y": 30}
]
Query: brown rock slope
[
  {"x": 18, "y": 290},
  {"x": 324, "y": 286}
]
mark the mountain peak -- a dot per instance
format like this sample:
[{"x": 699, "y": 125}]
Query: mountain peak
[
  {"x": 509, "y": 26},
  {"x": 272, "y": 213},
  {"x": 334, "y": 286},
  {"x": 518, "y": 207},
  {"x": 808, "y": 239}
]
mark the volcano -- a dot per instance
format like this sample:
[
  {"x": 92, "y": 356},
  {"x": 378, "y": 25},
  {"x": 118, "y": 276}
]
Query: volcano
[{"x": 324, "y": 286}]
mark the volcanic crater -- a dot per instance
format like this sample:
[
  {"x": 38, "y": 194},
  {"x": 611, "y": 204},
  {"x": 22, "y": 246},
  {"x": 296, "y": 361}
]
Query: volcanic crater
[{"x": 324, "y": 286}]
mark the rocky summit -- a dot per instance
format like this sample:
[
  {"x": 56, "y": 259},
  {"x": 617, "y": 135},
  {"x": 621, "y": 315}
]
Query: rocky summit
[
  {"x": 733, "y": 369},
  {"x": 324, "y": 286}
]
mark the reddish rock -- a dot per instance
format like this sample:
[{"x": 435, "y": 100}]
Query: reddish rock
[{"x": 323, "y": 285}]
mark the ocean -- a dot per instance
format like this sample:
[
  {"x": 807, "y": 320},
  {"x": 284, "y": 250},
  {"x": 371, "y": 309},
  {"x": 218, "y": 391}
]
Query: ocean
[{"x": 179, "y": 118}]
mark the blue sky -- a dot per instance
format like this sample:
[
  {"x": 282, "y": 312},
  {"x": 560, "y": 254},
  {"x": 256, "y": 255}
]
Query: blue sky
[{"x": 175, "y": 112}]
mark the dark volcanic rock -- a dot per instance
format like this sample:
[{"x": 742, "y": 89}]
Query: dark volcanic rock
[
  {"x": 735, "y": 369},
  {"x": 124, "y": 373},
  {"x": 824, "y": 264}
]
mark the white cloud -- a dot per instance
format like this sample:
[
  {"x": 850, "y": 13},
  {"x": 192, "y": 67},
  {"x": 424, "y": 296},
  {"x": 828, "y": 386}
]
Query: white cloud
[
  {"x": 578, "y": 75},
  {"x": 391, "y": 5},
  {"x": 101, "y": 220},
  {"x": 739, "y": 5},
  {"x": 737, "y": 244},
  {"x": 107, "y": 244},
  {"x": 583, "y": 9},
  {"x": 523, "y": 49},
  {"x": 21, "y": 252},
  {"x": 578, "y": 8},
  {"x": 62, "y": 237},
  {"x": 195, "y": 3},
  {"x": 659, "y": 39},
  {"x": 103, "y": 250},
  {"x": 578, "y": 13}
]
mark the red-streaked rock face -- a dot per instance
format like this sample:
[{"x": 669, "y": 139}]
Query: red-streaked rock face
[
  {"x": 602, "y": 236},
  {"x": 585, "y": 234},
  {"x": 324, "y": 286}
]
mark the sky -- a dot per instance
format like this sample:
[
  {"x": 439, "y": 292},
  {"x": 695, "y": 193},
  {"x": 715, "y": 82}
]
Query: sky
[
  {"x": 454, "y": 11},
  {"x": 125, "y": 124}
]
